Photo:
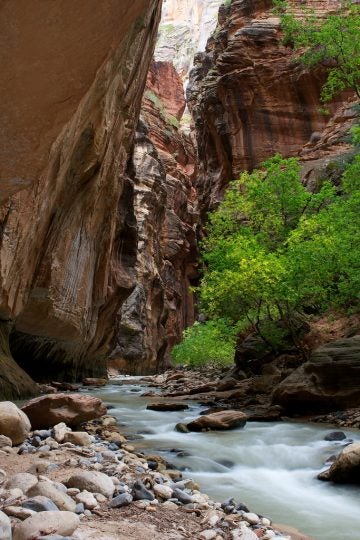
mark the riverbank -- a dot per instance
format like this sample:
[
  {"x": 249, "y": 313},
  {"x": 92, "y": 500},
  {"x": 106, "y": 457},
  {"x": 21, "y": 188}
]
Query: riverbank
[{"x": 103, "y": 489}]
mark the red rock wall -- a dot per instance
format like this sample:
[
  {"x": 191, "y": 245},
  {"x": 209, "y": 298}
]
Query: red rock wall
[
  {"x": 71, "y": 88},
  {"x": 163, "y": 170},
  {"x": 248, "y": 97}
]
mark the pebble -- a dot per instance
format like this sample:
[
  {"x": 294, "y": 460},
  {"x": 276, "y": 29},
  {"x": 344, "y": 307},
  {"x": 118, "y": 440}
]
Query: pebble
[
  {"x": 163, "y": 491},
  {"x": 124, "y": 499},
  {"x": 87, "y": 499}
]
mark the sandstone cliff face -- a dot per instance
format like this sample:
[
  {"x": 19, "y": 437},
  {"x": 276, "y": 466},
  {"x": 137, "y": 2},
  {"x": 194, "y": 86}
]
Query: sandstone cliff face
[
  {"x": 184, "y": 30},
  {"x": 72, "y": 83},
  {"x": 165, "y": 206},
  {"x": 248, "y": 98}
]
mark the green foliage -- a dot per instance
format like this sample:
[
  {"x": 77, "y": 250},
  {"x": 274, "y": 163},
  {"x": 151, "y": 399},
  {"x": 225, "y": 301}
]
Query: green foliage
[
  {"x": 272, "y": 250},
  {"x": 333, "y": 41},
  {"x": 204, "y": 343},
  {"x": 170, "y": 119}
]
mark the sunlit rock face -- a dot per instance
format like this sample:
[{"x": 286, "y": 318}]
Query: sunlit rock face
[
  {"x": 248, "y": 96},
  {"x": 162, "y": 168},
  {"x": 71, "y": 89},
  {"x": 184, "y": 30}
]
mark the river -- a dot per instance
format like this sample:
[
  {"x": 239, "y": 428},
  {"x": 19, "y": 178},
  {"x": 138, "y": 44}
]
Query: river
[{"x": 271, "y": 467}]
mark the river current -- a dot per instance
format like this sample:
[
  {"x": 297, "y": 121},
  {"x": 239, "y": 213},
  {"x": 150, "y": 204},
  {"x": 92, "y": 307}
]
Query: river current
[{"x": 271, "y": 467}]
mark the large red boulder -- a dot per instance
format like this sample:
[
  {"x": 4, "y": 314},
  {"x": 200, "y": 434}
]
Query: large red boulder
[
  {"x": 73, "y": 409},
  {"x": 221, "y": 420}
]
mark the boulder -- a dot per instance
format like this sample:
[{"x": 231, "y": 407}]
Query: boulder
[
  {"x": 329, "y": 380},
  {"x": 346, "y": 468},
  {"x": 93, "y": 481},
  {"x": 46, "y": 523},
  {"x": 5, "y": 527},
  {"x": 14, "y": 423},
  {"x": 50, "y": 491},
  {"x": 24, "y": 481},
  {"x": 218, "y": 421},
  {"x": 167, "y": 406},
  {"x": 73, "y": 409}
]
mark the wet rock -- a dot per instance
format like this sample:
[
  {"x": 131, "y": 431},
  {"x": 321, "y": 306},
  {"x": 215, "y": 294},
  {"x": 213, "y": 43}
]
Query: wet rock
[
  {"x": 14, "y": 423},
  {"x": 124, "y": 499},
  {"x": 140, "y": 492},
  {"x": 72, "y": 409},
  {"x": 93, "y": 481},
  {"x": 346, "y": 468},
  {"x": 5, "y": 527},
  {"x": 167, "y": 406},
  {"x": 335, "y": 436},
  {"x": 23, "y": 481},
  {"x": 79, "y": 438},
  {"x": 40, "y": 503},
  {"x": 50, "y": 491},
  {"x": 44, "y": 523},
  {"x": 222, "y": 420},
  {"x": 181, "y": 428}
]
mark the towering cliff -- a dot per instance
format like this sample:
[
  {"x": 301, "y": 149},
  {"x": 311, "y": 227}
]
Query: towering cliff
[
  {"x": 71, "y": 87},
  {"x": 163, "y": 171},
  {"x": 249, "y": 98}
]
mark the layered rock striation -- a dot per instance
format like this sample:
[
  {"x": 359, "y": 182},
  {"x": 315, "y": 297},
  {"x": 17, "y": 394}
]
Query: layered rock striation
[
  {"x": 72, "y": 84},
  {"x": 162, "y": 169},
  {"x": 248, "y": 96}
]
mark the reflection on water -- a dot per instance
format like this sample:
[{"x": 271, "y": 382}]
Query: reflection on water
[{"x": 271, "y": 468}]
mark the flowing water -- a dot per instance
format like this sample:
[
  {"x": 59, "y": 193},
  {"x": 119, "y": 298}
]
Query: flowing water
[{"x": 271, "y": 467}]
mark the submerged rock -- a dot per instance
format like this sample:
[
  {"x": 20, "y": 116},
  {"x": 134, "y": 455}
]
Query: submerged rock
[
  {"x": 221, "y": 420},
  {"x": 167, "y": 406}
]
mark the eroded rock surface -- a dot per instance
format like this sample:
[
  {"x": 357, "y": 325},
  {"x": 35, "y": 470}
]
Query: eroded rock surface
[
  {"x": 330, "y": 379},
  {"x": 248, "y": 97},
  {"x": 166, "y": 218},
  {"x": 72, "y": 83}
]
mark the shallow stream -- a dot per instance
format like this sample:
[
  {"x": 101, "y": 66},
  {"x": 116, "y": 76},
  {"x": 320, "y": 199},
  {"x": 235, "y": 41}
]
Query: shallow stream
[{"x": 271, "y": 467}]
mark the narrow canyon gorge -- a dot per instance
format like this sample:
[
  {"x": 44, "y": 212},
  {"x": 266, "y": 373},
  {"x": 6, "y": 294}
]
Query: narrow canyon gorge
[
  {"x": 159, "y": 159},
  {"x": 105, "y": 186}
]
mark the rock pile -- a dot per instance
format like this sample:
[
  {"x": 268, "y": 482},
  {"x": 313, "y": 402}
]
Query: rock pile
[{"x": 76, "y": 476}]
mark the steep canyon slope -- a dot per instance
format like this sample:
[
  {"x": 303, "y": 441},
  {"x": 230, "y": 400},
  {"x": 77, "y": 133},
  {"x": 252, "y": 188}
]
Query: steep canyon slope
[{"x": 71, "y": 89}]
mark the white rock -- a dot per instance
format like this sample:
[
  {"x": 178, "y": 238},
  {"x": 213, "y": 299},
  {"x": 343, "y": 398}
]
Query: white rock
[
  {"x": 265, "y": 522},
  {"x": 100, "y": 497},
  {"x": 13, "y": 422},
  {"x": 171, "y": 505},
  {"x": 44, "y": 523},
  {"x": 163, "y": 491},
  {"x": 268, "y": 535},
  {"x": 24, "y": 481},
  {"x": 5, "y": 527},
  {"x": 251, "y": 518},
  {"x": 49, "y": 490},
  {"x": 243, "y": 534},
  {"x": 87, "y": 499},
  {"x": 60, "y": 431}
]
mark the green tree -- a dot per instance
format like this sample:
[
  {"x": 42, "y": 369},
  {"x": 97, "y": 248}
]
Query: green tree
[{"x": 333, "y": 41}]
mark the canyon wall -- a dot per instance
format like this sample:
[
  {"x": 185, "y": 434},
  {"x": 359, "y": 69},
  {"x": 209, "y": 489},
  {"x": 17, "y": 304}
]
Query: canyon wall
[
  {"x": 248, "y": 97},
  {"x": 184, "y": 30},
  {"x": 72, "y": 82},
  {"x": 163, "y": 170}
]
